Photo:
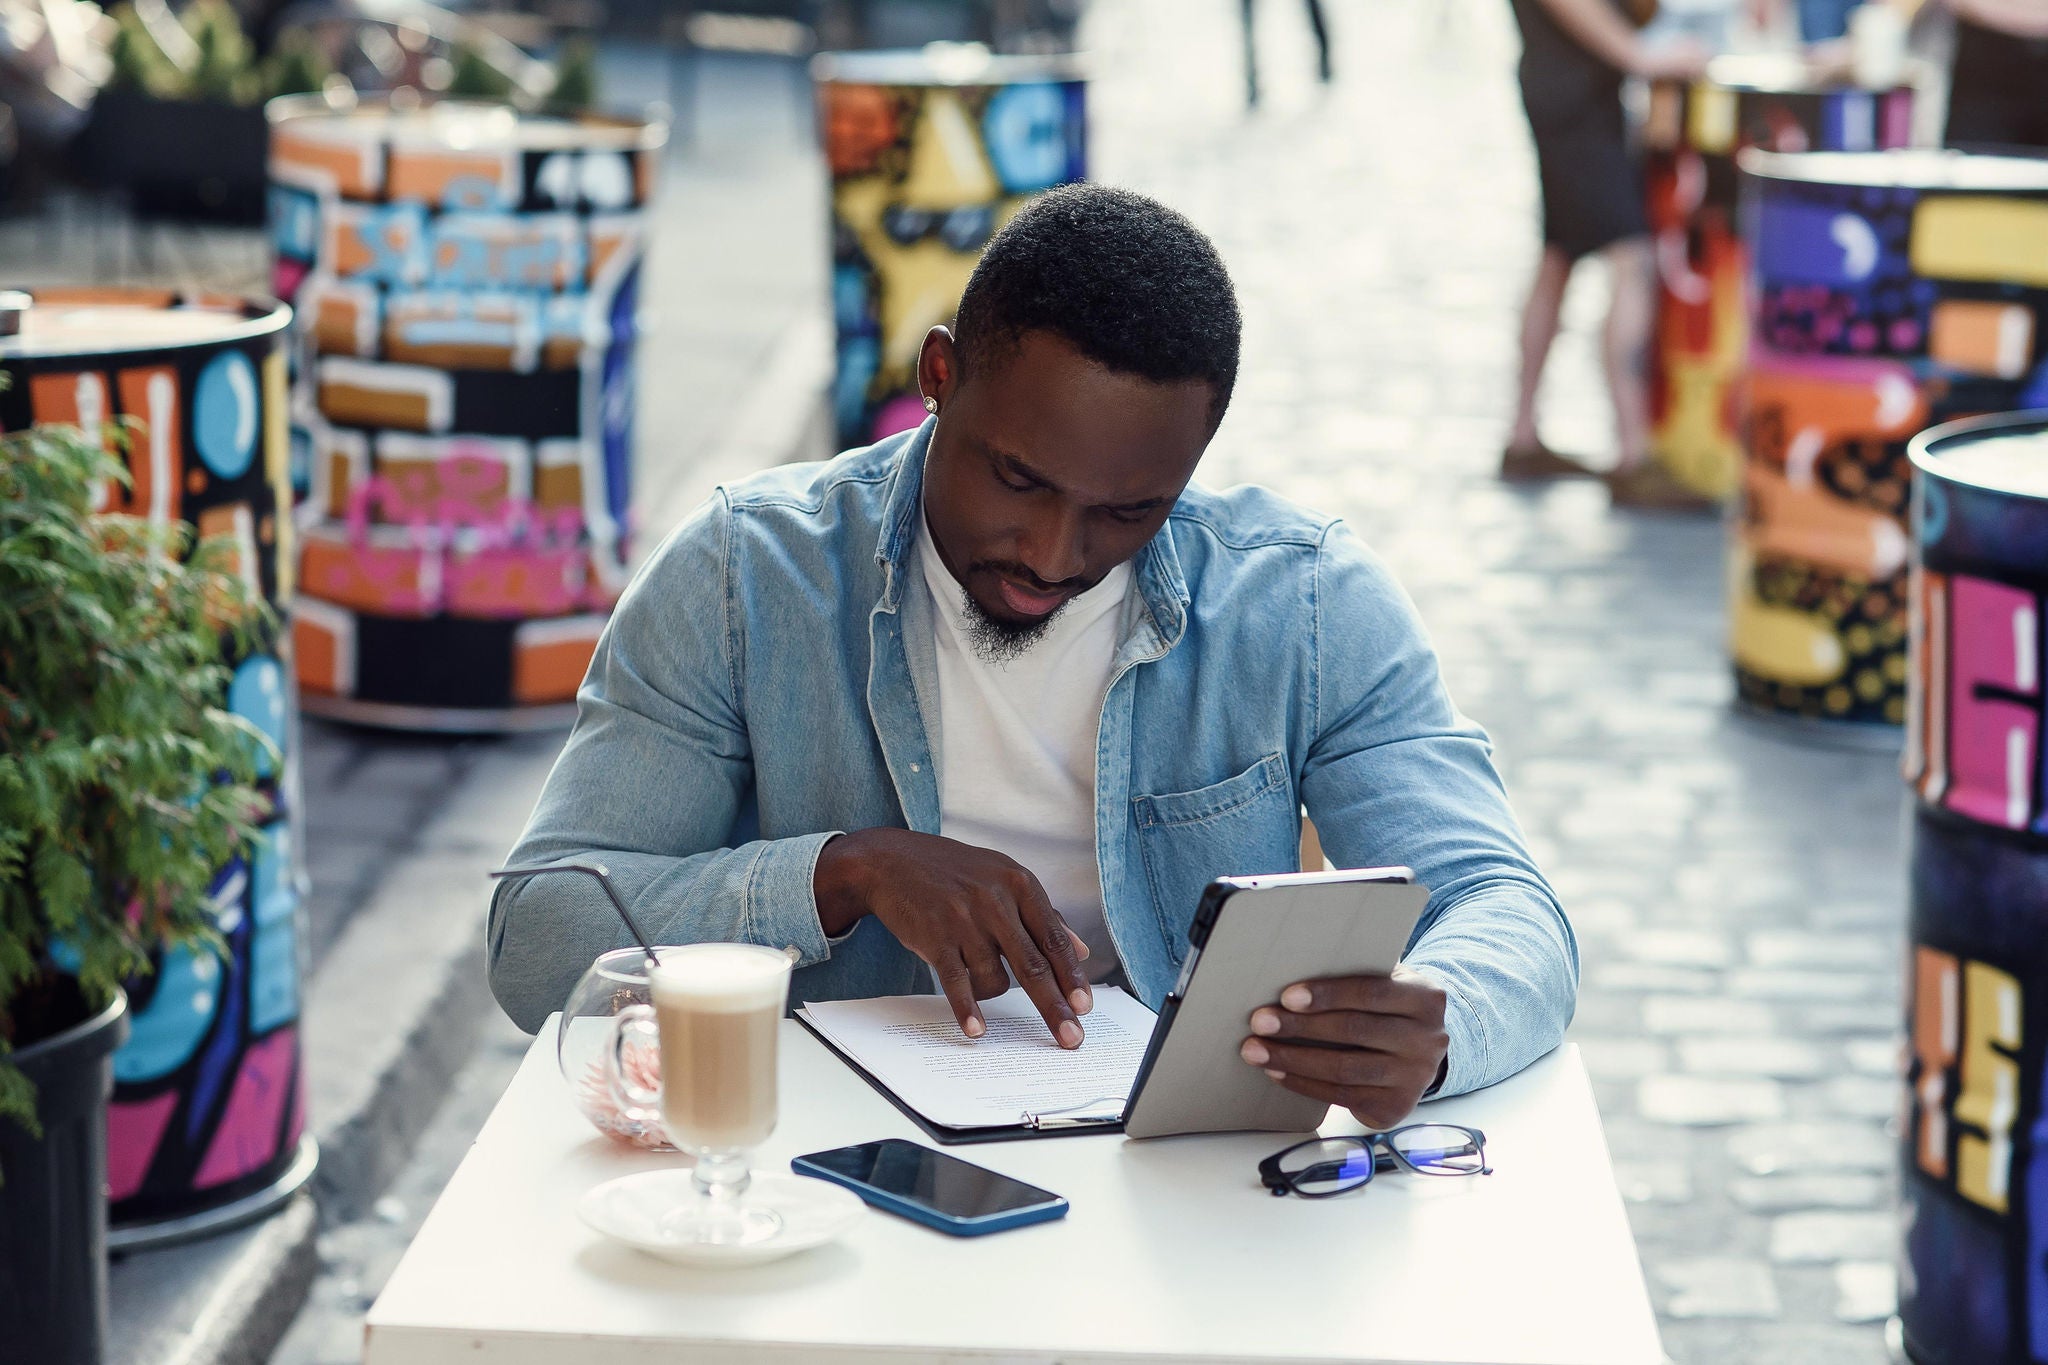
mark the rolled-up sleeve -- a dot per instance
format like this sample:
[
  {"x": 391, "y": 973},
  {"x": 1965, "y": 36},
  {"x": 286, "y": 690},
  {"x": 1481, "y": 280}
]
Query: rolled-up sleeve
[{"x": 1396, "y": 776}]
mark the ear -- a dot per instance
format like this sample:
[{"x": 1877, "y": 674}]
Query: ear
[{"x": 938, "y": 366}]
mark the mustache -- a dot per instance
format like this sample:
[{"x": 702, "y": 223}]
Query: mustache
[{"x": 1009, "y": 568}]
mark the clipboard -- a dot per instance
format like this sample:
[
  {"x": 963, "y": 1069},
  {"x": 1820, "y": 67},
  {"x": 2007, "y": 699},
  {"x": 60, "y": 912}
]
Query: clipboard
[
  {"x": 1256, "y": 935},
  {"x": 1047, "y": 1125}
]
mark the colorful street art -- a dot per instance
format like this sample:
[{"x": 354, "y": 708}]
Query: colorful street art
[
  {"x": 207, "y": 1104},
  {"x": 1974, "y": 1280},
  {"x": 925, "y": 169},
  {"x": 1695, "y": 134},
  {"x": 467, "y": 282},
  {"x": 1891, "y": 291}
]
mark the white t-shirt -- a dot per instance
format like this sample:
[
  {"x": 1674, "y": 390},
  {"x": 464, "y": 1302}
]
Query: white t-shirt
[{"x": 1017, "y": 743}]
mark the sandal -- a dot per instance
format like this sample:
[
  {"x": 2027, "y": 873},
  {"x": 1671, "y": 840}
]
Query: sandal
[
  {"x": 1649, "y": 486},
  {"x": 1527, "y": 464}
]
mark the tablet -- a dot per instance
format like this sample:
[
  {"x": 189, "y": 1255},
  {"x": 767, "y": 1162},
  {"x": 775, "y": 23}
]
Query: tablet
[{"x": 1252, "y": 938}]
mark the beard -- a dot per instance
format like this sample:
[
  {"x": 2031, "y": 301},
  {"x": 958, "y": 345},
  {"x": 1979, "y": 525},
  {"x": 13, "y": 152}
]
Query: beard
[{"x": 1000, "y": 642}]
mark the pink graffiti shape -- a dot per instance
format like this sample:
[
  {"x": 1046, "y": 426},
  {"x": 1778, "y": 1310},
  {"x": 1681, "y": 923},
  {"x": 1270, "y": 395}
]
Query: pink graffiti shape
[
  {"x": 515, "y": 583},
  {"x": 286, "y": 278},
  {"x": 902, "y": 413},
  {"x": 471, "y": 492},
  {"x": 133, "y": 1131},
  {"x": 397, "y": 579},
  {"x": 248, "y": 1133},
  {"x": 1994, "y": 742},
  {"x": 1898, "y": 119},
  {"x": 459, "y": 494}
]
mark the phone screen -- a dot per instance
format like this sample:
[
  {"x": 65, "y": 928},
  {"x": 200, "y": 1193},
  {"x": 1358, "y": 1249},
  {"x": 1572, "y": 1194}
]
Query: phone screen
[{"x": 942, "y": 1183}]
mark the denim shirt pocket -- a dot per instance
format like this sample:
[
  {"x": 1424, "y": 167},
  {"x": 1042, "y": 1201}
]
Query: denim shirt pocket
[{"x": 1243, "y": 826}]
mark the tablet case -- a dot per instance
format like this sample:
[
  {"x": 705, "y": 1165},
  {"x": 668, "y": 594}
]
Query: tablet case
[{"x": 1256, "y": 936}]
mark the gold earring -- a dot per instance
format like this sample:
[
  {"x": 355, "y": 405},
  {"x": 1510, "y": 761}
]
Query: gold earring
[{"x": 931, "y": 405}]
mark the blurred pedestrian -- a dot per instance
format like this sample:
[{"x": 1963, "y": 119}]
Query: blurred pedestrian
[
  {"x": 1251, "y": 58},
  {"x": 1575, "y": 55},
  {"x": 1998, "y": 85},
  {"x": 1823, "y": 21}
]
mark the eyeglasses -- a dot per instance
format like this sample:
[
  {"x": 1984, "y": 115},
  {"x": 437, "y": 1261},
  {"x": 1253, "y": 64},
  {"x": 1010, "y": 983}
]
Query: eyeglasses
[{"x": 1321, "y": 1167}]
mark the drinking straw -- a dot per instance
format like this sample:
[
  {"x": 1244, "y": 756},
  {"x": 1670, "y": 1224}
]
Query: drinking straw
[{"x": 604, "y": 879}]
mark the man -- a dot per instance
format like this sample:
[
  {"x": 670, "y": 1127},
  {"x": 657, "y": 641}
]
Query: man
[
  {"x": 1002, "y": 694},
  {"x": 1574, "y": 56}
]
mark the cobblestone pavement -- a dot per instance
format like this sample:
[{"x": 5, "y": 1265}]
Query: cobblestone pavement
[{"x": 1737, "y": 891}]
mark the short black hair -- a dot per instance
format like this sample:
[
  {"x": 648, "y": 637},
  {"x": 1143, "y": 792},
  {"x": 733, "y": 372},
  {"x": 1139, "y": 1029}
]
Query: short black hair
[{"x": 1122, "y": 278}]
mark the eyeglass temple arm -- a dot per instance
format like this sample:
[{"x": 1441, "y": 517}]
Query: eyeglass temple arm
[{"x": 604, "y": 879}]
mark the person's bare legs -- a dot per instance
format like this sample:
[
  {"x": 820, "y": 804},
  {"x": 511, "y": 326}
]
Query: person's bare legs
[
  {"x": 1526, "y": 457},
  {"x": 1625, "y": 345},
  {"x": 1321, "y": 29},
  {"x": 1636, "y": 479},
  {"x": 1539, "y": 329},
  {"x": 1251, "y": 56}
]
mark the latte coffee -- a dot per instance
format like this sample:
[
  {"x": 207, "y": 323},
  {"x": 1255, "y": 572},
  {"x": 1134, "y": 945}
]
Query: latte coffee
[{"x": 718, "y": 1006}]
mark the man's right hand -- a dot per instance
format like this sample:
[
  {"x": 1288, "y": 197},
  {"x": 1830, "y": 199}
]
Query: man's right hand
[{"x": 964, "y": 910}]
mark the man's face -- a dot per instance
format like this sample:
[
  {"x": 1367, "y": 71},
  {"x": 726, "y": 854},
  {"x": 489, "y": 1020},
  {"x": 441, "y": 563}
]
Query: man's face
[{"x": 1047, "y": 470}]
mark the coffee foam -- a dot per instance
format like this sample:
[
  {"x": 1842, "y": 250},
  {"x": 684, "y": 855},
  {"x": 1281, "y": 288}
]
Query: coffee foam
[{"x": 721, "y": 976}]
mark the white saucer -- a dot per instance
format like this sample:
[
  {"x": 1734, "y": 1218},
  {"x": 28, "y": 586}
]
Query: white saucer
[{"x": 630, "y": 1210}]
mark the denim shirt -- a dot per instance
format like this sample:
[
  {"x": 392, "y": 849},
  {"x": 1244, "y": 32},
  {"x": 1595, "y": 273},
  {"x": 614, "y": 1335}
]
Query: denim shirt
[{"x": 768, "y": 680}]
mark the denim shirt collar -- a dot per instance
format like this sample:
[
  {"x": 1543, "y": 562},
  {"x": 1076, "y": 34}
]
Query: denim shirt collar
[{"x": 1156, "y": 568}]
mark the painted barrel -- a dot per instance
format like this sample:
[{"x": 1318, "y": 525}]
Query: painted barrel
[
  {"x": 1974, "y": 1280},
  {"x": 206, "y": 1126},
  {"x": 1694, "y": 133},
  {"x": 467, "y": 282},
  {"x": 1891, "y": 291},
  {"x": 930, "y": 151}
]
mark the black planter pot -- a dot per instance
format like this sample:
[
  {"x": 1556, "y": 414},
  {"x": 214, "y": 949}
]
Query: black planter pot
[
  {"x": 196, "y": 160},
  {"x": 53, "y": 1204}
]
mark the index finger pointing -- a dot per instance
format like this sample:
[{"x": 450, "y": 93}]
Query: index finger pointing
[
  {"x": 1021, "y": 939},
  {"x": 1063, "y": 951}
]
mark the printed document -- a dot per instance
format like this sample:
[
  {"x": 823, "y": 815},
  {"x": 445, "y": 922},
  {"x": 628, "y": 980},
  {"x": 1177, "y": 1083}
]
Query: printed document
[{"x": 914, "y": 1047}]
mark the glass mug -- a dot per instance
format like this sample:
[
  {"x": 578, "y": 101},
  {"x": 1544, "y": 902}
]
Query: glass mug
[
  {"x": 616, "y": 982},
  {"x": 716, "y": 1011}
]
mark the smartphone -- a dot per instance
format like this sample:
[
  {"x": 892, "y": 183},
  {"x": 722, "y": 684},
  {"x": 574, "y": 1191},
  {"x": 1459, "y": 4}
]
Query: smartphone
[{"x": 930, "y": 1187}]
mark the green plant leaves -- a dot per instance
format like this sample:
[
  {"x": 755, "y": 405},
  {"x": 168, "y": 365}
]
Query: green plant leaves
[{"x": 124, "y": 783}]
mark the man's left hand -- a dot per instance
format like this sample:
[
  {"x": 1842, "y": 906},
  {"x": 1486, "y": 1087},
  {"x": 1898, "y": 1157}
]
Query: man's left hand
[{"x": 1372, "y": 1044}]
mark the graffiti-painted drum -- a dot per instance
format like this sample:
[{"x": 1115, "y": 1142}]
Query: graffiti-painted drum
[
  {"x": 206, "y": 1127},
  {"x": 1694, "y": 133},
  {"x": 466, "y": 281},
  {"x": 1973, "y": 1287},
  {"x": 930, "y": 152},
  {"x": 1892, "y": 290}
]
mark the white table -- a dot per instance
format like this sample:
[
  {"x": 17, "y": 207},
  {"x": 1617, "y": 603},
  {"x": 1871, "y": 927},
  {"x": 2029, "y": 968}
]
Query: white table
[{"x": 1172, "y": 1252}]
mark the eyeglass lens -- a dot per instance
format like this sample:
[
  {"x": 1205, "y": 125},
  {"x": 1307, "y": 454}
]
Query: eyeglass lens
[
  {"x": 1437, "y": 1149},
  {"x": 1328, "y": 1166}
]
